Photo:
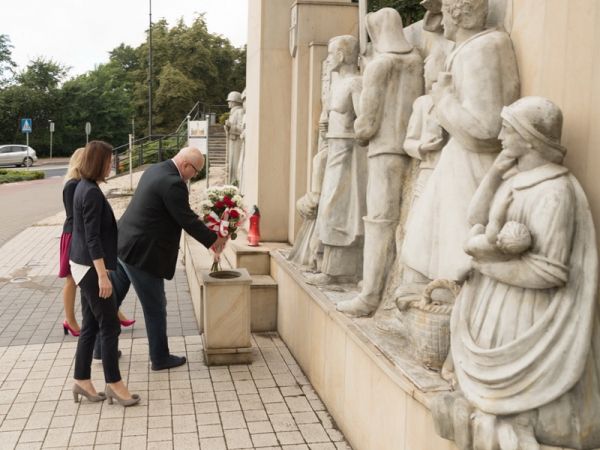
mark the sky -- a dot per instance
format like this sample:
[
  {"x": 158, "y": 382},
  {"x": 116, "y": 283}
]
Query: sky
[{"x": 80, "y": 33}]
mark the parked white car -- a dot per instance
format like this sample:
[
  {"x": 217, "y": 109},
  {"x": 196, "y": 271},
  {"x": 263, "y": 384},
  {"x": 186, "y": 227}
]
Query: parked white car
[{"x": 18, "y": 155}]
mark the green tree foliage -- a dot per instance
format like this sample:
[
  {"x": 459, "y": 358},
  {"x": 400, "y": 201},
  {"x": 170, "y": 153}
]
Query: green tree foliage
[
  {"x": 410, "y": 10},
  {"x": 36, "y": 95},
  {"x": 7, "y": 65},
  {"x": 189, "y": 65}
]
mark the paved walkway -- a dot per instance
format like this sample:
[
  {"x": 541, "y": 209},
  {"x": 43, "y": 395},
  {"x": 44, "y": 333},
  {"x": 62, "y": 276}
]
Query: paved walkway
[{"x": 268, "y": 404}]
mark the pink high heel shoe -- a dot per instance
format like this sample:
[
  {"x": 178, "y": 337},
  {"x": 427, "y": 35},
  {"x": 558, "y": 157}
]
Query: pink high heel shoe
[
  {"x": 127, "y": 323},
  {"x": 68, "y": 329}
]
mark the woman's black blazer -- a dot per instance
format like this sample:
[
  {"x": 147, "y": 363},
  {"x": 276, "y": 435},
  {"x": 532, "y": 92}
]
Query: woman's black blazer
[{"x": 94, "y": 227}]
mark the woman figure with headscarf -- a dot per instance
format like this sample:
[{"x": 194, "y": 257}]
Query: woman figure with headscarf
[{"x": 524, "y": 330}]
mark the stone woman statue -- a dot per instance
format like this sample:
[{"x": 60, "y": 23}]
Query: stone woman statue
[
  {"x": 342, "y": 202},
  {"x": 307, "y": 249},
  {"x": 392, "y": 80},
  {"x": 482, "y": 78},
  {"x": 233, "y": 129},
  {"x": 524, "y": 330}
]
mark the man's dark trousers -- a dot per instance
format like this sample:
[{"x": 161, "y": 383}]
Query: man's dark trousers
[{"x": 151, "y": 292}]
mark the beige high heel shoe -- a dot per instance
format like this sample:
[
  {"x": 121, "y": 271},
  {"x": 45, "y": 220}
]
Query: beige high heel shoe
[
  {"x": 110, "y": 394},
  {"x": 79, "y": 391}
]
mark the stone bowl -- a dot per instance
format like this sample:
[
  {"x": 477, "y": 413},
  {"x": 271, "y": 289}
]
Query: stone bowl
[{"x": 225, "y": 274}]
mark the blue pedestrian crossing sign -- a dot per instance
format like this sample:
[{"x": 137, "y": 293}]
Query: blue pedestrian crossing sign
[{"x": 25, "y": 125}]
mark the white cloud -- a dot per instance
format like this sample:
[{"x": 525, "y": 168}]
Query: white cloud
[{"x": 80, "y": 33}]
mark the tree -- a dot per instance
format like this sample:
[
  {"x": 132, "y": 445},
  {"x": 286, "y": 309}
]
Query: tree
[
  {"x": 172, "y": 97},
  {"x": 7, "y": 65},
  {"x": 410, "y": 10},
  {"x": 189, "y": 65},
  {"x": 43, "y": 74},
  {"x": 35, "y": 95}
]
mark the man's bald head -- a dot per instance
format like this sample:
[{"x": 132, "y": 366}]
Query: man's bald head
[{"x": 189, "y": 161}]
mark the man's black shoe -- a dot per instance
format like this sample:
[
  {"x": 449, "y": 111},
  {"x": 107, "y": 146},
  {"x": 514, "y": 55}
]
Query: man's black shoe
[
  {"x": 99, "y": 357},
  {"x": 169, "y": 363}
]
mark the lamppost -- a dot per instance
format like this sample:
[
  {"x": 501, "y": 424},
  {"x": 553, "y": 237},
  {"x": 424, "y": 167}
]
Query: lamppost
[
  {"x": 51, "y": 125},
  {"x": 150, "y": 71}
]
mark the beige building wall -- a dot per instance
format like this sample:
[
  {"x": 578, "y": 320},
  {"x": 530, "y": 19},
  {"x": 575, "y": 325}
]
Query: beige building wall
[
  {"x": 558, "y": 49},
  {"x": 268, "y": 86}
]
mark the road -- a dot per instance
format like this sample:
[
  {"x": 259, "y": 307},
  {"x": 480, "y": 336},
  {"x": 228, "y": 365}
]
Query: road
[{"x": 23, "y": 204}]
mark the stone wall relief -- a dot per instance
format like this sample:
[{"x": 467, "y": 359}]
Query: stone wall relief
[{"x": 491, "y": 288}]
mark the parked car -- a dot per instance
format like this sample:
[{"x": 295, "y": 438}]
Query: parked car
[{"x": 18, "y": 155}]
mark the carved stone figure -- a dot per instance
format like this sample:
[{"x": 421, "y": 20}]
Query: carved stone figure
[
  {"x": 392, "y": 80},
  {"x": 425, "y": 137},
  {"x": 240, "y": 170},
  {"x": 342, "y": 202},
  {"x": 233, "y": 129},
  {"x": 525, "y": 338},
  {"x": 307, "y": 247},
  {"x": 481, "y": 78}
]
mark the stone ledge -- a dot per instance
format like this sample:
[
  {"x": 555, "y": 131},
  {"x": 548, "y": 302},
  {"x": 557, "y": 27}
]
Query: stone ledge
[{"x": 374, "y": 401}]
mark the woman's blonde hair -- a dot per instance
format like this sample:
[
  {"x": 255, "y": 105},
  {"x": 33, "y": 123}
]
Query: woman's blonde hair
[{"x": 73, "y": 172}]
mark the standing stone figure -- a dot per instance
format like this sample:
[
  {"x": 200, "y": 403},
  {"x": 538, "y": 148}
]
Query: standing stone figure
[
  {"x": 233, "y": 129},
  {"x": 342, "y": 201},
  {"x": 481, "y": 78},
  {"x": 425, "y": 137},
  {"x": 240, "y": 170},
  {"x": 307, "y": 250},
  {"x": 525, "y": 328},
  {"x": 393, "y": 79}
]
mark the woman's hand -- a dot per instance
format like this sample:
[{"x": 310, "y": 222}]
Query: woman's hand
[{"x": 104, "y": 285}]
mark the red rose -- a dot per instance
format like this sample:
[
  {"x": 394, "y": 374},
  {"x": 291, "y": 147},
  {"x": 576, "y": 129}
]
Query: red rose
[
  {"x": 234, "y": 214},
  {"x": 220, "y": 205},
  {"x": 228, "y": 202}
]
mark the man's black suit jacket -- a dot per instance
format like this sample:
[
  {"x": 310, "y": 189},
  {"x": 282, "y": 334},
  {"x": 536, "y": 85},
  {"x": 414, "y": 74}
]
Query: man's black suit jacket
[
  {"x": 94, "y": 227},
  {"x": 150, "y": 228}
]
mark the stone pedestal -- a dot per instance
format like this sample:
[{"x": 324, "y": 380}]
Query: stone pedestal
[{"x": 226, "y": 314}]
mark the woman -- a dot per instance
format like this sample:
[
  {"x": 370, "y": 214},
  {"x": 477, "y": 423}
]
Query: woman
[
  {"x": 72, "y": 178},
  {"x": 525, "y": 338},
  {"x": 93, "y": 254}
]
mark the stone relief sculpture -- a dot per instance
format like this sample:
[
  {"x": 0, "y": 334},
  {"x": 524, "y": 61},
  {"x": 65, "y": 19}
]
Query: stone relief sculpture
[
  {"x": 307, "y": 248},
  {"x": 425, "y": 137},
  {"x": 342, "y": 201},
  {"x": 240, "y": 170},
  {"x": 525, "y": 338},
  {"x": 481, "y": 77},
  {"x": 233, "y": 129},
  {"x": 392, "y": 80}
]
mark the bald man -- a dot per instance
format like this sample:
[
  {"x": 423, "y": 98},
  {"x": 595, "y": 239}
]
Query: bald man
[{"x": 149, "y": 234}]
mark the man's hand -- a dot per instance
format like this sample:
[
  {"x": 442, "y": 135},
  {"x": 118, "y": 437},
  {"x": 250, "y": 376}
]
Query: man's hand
[
  {"x": 104, "y": 285},
  {"x": 219, "y": 245}
]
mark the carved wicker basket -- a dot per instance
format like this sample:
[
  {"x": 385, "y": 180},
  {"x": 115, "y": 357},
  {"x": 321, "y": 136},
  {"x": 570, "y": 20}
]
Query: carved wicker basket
[{"x": 428, "y": 325}]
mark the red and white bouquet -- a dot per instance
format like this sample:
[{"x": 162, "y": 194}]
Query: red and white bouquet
[{"x": 223, "y": 212}]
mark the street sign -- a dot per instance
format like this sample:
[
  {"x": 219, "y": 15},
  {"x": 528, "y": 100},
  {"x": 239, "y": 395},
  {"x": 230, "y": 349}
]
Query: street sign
[
  {"x": 88, "y": 128},
  {"x": 51, "y": 127},
  {"x": 26, "y": 126}
]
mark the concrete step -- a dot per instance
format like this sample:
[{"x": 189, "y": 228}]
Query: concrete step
[{"x": 263, "y": 291}]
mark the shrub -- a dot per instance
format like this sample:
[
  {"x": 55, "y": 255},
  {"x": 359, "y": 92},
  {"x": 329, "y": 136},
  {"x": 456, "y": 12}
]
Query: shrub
[{"x": 12, "y": 176}]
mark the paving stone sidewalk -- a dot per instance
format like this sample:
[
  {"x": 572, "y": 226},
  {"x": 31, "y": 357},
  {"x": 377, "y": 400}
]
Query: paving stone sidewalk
[{"x": 268, "y": 404}]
